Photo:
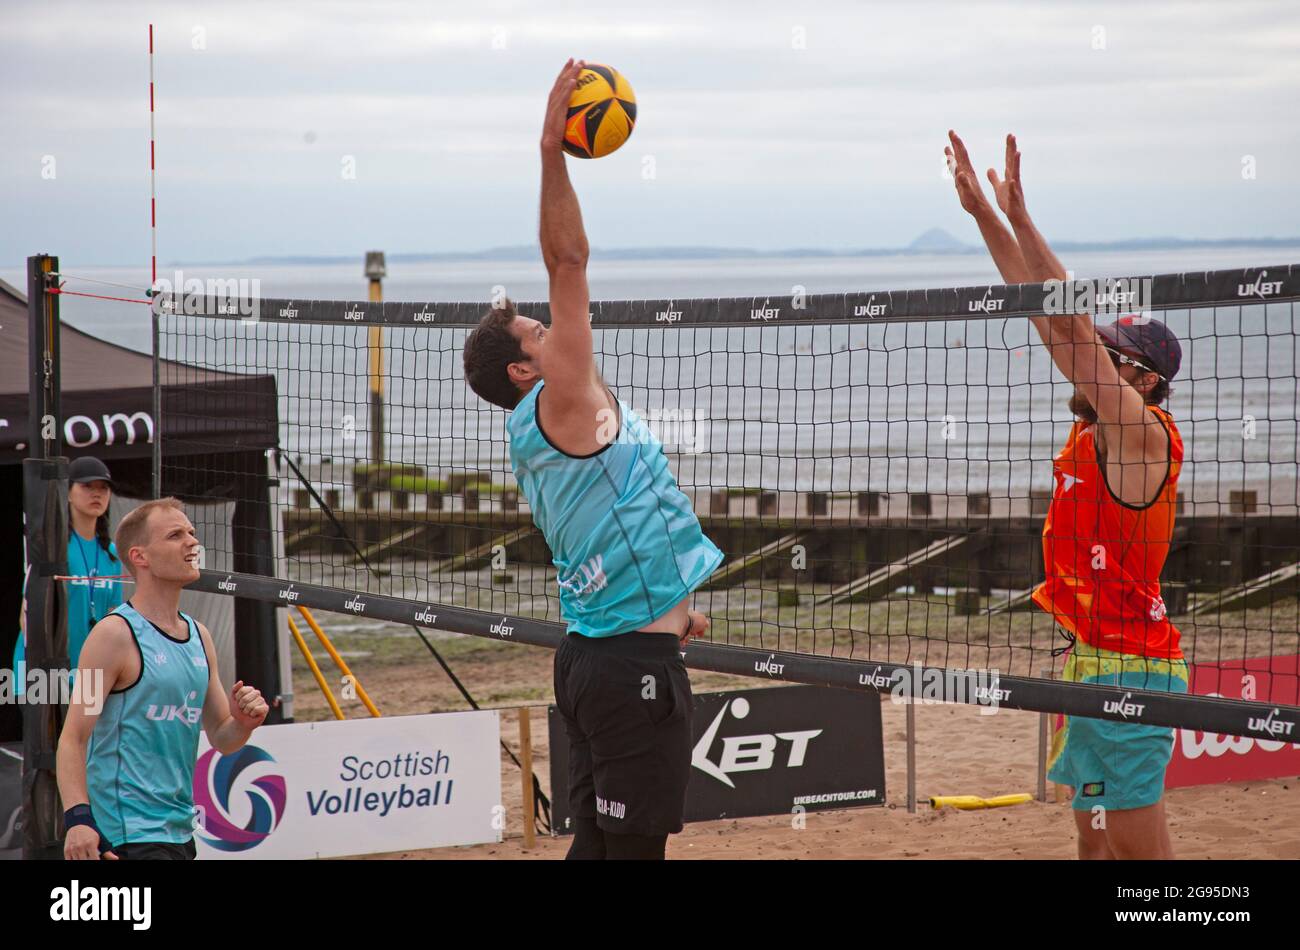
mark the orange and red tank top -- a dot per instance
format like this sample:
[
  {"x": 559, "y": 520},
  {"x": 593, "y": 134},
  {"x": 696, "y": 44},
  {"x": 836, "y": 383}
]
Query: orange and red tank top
[{"x": 1103, "y": 557}]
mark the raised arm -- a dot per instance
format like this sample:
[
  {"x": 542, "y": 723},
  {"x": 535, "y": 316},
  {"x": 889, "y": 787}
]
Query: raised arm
[
  {"x": 998, "y": 238},
  {"x": 1071, "y": 339},
  {"x": 1016, "y": 264},
  {"x": 1039, "y": 257},
  {"x": 1130, "y": 432},
  {"x": 1038, "y": 263},
  {"x": 101, "y": 668},
  {"x": 574, "y": 403},
  {"x": 564, "y": 251},
  {"x": 564, "y": 243}
]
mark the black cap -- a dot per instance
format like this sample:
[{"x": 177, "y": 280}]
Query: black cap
[
  {"x": 1149, "y": 337},
  {"x": 88, "y": 469}
]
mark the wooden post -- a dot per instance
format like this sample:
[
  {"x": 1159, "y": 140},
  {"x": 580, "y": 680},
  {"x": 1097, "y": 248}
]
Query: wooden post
[
  {"x": 526, "y": 757},
  {"x": 966, "y": 601},
  {"x": 1060, "y": 793},
  {"x": 911, "y": 753},
  {"x": 1044, "y": 730}
]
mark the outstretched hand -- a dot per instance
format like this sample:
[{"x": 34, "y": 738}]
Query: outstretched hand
[
  {"x": 1010, "y": 196},
  {"x": 557, "y": 106},
  {"x": 963, "y": 175}
]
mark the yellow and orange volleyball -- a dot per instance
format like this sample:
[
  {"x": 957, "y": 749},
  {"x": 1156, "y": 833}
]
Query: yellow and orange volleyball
[{"x": 602, "y": 113}]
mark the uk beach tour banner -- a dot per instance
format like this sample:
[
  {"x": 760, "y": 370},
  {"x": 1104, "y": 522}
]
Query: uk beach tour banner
[{"x": 361, "y": 786}]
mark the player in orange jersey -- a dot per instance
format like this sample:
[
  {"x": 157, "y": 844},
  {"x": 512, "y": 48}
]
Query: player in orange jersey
[{"x": 1107, "y": 532}]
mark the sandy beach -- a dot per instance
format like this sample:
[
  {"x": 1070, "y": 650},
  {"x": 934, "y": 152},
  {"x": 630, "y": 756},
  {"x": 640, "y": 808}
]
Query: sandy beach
[{"x": 959, "y": 752}]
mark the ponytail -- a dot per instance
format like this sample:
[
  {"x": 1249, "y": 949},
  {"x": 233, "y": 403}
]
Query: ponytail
[{"x": 102, "y": 535}]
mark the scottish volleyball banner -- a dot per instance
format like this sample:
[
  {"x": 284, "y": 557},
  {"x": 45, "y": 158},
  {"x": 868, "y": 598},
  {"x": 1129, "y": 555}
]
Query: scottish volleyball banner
[{"x": 362, "y": 786}]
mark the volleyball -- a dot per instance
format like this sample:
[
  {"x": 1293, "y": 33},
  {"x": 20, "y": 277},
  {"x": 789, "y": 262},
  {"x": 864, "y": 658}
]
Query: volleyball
[{"x": 602, "y": 112}]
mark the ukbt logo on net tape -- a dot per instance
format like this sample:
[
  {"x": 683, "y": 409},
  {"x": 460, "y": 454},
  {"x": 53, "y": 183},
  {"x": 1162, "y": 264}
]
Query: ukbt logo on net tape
[
  {"x": 211, "y": 297},
  {"x": 217, "y": 780}
]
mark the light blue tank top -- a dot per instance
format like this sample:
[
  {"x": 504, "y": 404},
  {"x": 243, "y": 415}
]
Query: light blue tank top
[
  {"x": 140, "y": 769},
  {"x": 623, "y": 537}
]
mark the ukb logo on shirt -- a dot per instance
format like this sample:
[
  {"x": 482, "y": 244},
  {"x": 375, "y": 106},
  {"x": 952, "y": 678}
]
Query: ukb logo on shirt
[{"x": 184, "y": 712}]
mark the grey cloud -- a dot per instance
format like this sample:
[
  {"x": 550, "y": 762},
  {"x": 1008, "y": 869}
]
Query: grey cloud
[{"x": 743, "y": 126}]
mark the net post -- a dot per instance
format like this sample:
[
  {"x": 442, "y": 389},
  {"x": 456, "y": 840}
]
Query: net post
[
  {"x": 911, "y": 754},
  {"x": 45, "y": 510},
  {"x": 1043, "y": 727},
  {"x": 376, "y": 270},
  {"x": 155, "y": 449},
  {"x": 526, "y": 774},
  {"x": 155, "y": 455},
  {"x": 43, "y": 345}
]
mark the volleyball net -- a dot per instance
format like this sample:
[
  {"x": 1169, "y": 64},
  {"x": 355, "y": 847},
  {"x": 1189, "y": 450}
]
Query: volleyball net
[{"x": 876, "y": 468}]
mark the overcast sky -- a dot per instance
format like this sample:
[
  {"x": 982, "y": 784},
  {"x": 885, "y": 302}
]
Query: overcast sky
[{"x": 762, "y": 124}]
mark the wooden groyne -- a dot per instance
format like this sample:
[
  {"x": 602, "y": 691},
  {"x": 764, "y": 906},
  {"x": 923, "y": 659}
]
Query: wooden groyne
[{"x": 864, "y": 544}]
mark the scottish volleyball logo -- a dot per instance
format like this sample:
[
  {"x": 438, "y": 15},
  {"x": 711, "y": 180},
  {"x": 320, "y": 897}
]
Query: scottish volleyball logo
[{"x": 217, "y": 779}]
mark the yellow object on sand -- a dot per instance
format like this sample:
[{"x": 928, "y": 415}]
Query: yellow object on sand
[{"x": 968, "y": 802}]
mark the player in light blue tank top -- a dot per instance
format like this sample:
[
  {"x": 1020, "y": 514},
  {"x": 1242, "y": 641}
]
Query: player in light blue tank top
[
  {"x": 146, "y": 686},
  {"x": 623, "y": 536},
  {"x": 627, "y": 547},
  {"x": 140, "y": 765}
]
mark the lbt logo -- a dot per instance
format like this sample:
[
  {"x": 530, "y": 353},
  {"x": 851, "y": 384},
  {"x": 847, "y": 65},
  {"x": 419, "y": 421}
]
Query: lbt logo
[
  {"x": 216, "y": 780},
  {"x": 756, "y": 753}
]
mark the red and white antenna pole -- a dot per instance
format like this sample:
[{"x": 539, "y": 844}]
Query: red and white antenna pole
[{"x": 153, "y": 200}]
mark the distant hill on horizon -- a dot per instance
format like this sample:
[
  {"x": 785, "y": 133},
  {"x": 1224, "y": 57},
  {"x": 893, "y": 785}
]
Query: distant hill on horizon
[{"x": 933, "y": 241}]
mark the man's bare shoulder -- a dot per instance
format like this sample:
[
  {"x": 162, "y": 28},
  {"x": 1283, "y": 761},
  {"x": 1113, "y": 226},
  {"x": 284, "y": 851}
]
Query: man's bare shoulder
[
  {"x": 579, "y": 423},
  {"x": 114, "y": 630},
  {"x": 205, "y": 636}
]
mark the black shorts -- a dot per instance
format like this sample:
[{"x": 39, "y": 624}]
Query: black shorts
[
  {"x": 626, "y": 703},
  {"x": 156, "y": 851}
]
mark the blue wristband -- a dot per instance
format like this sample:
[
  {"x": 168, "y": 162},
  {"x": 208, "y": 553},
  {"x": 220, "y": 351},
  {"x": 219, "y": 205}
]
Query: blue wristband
[
  {"x": 79, "y": 815},
  {"x": 82, "y": 815}
]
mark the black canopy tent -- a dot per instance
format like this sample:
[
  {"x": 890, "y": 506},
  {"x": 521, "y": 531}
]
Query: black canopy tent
[{"x": 107, "y": 408}]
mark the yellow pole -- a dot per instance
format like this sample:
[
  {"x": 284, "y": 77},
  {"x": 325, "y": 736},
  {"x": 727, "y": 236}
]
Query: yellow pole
[
  {"x": 334, "y": 655},
  {"x": 315, "y": 670},
  {"x": 526, "y": 752}
]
